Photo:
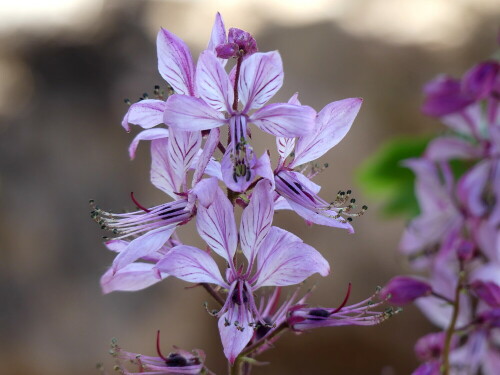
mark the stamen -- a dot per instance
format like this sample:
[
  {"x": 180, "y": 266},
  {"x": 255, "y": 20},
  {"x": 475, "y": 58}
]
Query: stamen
[
  {"x": 344, "y": 302},
  {"x": 137, "y": 203},
  {"x": 158, "y": 350}
]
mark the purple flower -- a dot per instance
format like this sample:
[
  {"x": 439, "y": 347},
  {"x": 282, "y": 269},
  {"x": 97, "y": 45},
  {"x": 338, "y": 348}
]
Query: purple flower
[
  {"x": 274, "y": 257},
  {"x": 440, "y": 220},
  {"x": 302, "y": 318},
  {"x": 301, "y": 195},
  {"x": 256, "y": 79},
  {"x": 402, "y": 290},
  {"x": 176, "y": 66},
  {"x": 177, "y": 362},
  {"x": 150, "y": 228}
]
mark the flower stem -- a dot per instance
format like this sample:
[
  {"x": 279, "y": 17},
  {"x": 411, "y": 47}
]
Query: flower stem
[
  {"x": 236, "y": 78},
  {"x": 445, "y": 369},
  {"x": 213, "y": 293}
]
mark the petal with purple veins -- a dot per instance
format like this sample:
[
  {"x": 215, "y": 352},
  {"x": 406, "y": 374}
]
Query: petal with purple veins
[
  {"x": 191, "y": 114},
  {"x": 191, "y": 264},
  {"x": 175, "y": 63},
  {"x": 145, "y": 113},
  {"x": 284, "y": 259},
  {"x": 235, "y": 331},
  {"x": 182, "y": 147},
  {"x": 217, "y": 227},
  {"x": 212, "y": 82},
  {"x": 260, "y": 78},
  {"x": 332, "y": 124},
  {"x": 285, "y": 120},
  {"x": 256, "y": 219},
  {"x": 146, "y": 135},
  {"x": 206, "y": 155},
  {"x": 142, "y": 246},
  {"x": 218, "y": 36},
  {"x": 162, "y": 174},
  {"x": 135, "y": 276}
]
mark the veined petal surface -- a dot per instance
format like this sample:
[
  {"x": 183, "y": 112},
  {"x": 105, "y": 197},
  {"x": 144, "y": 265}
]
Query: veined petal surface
[{"x": 175, "y": 63}]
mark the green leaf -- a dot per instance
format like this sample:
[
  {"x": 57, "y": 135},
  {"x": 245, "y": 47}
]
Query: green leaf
[{"x": 382, "y": 176}]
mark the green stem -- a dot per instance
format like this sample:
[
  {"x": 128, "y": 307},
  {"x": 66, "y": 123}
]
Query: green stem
[{"x": 451, "y": 329}]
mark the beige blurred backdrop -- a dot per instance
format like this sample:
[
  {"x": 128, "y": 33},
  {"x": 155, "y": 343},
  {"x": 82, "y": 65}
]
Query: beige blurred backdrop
[{"x": 65, "y": 67}]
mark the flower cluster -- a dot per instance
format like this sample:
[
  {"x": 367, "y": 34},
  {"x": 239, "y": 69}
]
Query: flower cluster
[
  {"x": 456, "y": 237},
  {"x": 202, "y": 99}
]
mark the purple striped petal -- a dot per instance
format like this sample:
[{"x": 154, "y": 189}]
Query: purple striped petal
[
  {"x": 191, "y": 114},
  {"x": 146, "y": 135},
  {"x": 205, "y": 191},
  {"x": 146, "y": 113},
  {"x": 162, "y": 175},
  {"x": 206, "y": 155},
  {"x": 261, "y": 77},
  {"x": 218, "y": 36},
  {"x": 233, "y": 338},
  {"x": 191, "y": 264},
  {"x": 332, "y": 124},
  {"x": 135, "y": 276},
  {"x": 175, "y": 63},
  {"x": 182, "y": 147},
  {"x": 285, "y": 146},
  {"x": 285, "y": 260},
  {"x": 142, "y": 246},
  {"x": 217, "y": 227},
  {"x": 264, "y": 169},
  {"x": 446, "y": 148},
  {"x": 256, "y": 219},
  {"x": 284, "y": 120},
  {"x": 212, "y": 82}
]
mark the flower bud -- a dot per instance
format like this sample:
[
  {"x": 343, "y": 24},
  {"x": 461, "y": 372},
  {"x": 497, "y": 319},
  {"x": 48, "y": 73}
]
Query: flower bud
[{"x": 403, "y": 289}]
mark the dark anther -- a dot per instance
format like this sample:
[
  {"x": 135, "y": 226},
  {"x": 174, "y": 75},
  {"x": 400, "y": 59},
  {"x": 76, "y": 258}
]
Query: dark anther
[
  {"x": 349, "y": 192},
  {"x": 364, "y": 207},
  {"x": 349, "y": 219},
  {"x": 353, "y": 200},
  {"x": 176, "y": 360},
  {"x": 145, "y": 95},
  {"x": 317, "y": 314},
  {"x": 263, "y": 330},
  {"x": 157, "y": 87},
  {"x": 127, "y": 101}
]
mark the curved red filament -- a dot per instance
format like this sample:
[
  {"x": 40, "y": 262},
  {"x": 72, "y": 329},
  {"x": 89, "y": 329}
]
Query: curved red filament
[
  {"x": 344, "y": 302},
  {"x": 137, "y": 203},
  {"x": 158, "y": 350}
]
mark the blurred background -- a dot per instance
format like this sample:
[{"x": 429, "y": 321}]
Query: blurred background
[{"x": 65, "y": 68}]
